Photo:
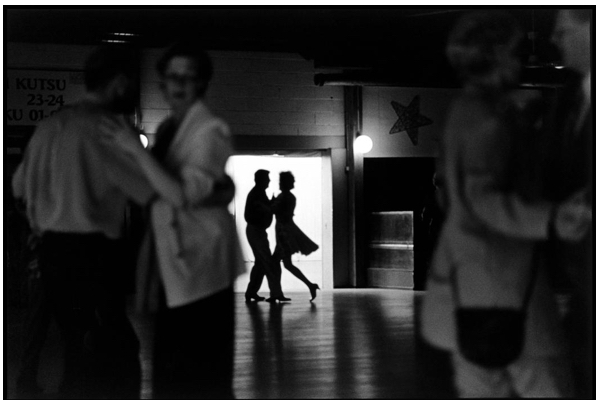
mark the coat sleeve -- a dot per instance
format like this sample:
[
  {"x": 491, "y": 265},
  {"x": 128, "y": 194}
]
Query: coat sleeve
[
  {"x": 204, "y": 160},
  {"x": 19, "y": 179},
  {"x": 125, "y": 169},
  {"x": 486, "y": 173},
  {"x": 18, "y": 183}
]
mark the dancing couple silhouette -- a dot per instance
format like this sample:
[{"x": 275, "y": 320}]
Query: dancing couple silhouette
[{"x": 259, "y": 213}]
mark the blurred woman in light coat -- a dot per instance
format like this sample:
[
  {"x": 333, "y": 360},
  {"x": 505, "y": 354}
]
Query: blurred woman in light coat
[
  {"x": 197, "y": 257},
  {"x": 494, "y": 219}
]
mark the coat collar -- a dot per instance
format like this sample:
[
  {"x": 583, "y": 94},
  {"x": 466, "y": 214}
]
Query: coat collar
[{"x": 197, "y": 112}]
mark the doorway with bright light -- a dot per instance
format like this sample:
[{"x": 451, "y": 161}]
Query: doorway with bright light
[{"x": 313, "y": 213}]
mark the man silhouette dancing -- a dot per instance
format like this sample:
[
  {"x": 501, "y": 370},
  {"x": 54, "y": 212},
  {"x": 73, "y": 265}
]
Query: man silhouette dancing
[{"x": 259, "y": 215}]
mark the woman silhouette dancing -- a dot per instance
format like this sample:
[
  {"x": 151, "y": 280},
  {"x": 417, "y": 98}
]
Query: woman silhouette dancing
[{"x": 289, "y": 238}]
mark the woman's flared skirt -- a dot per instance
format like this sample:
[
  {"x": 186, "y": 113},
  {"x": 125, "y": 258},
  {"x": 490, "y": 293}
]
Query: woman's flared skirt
[{"x": 290, "y": 240}]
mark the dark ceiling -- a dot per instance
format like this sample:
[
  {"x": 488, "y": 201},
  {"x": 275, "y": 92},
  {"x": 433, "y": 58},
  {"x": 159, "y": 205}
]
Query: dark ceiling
[{"x": 371, "y": 43}]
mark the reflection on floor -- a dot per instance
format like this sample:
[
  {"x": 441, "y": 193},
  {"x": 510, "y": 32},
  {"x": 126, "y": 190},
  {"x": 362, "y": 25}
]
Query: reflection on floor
[{"x": 348, "y": 343}]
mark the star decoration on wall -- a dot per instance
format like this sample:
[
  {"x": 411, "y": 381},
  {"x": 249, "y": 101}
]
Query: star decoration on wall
[{"x": 409, "y": 119}]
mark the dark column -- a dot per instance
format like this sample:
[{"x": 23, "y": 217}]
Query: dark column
[
  {"x": 353, "y": 126},
  {"x": 340, "y": 214}
]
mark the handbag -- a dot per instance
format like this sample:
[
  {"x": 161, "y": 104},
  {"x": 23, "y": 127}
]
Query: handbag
[
  {"x": 489, "y": 337},
  {"x": 492, "y": 337}
]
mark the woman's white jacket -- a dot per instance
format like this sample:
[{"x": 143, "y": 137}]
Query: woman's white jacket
[{"x": 197, "y": 247}]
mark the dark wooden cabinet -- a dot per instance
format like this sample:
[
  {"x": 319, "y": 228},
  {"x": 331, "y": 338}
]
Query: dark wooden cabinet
[{"x": 390, "y": 249}]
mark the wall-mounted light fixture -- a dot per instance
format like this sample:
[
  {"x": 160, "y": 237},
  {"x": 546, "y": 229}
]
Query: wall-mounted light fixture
[
  {"x": 144, "y": 140},
  {"x": 363, "y": 144}
]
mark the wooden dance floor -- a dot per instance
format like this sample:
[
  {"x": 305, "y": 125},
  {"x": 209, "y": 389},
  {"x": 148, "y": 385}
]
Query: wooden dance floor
[{"x": 348, "y": 343}]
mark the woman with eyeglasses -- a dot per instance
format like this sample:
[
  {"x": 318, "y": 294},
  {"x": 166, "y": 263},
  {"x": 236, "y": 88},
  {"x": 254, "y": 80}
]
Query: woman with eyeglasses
[{"x": 195, "y": 255}]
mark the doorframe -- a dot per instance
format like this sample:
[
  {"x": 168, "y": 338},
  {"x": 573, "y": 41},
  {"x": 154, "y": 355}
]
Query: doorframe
[{"x": 335, "y": 218}]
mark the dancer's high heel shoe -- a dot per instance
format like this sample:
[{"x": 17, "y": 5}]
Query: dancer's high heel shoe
[
  {"x": 312, "y": 289},
  {"x": 279, "y": 298},
  {"x": 254, "y": 297}
]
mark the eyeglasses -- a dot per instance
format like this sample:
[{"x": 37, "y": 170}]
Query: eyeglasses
[{"x": 180, "y": 79}]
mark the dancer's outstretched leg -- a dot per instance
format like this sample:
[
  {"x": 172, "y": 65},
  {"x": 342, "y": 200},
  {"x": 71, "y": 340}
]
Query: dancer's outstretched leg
[{"x": 297, "y": 272}]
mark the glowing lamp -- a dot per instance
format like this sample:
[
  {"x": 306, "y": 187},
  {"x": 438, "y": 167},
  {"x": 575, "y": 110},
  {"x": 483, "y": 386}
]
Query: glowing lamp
[
  {"x": 144, "y": 140},
  {"x": 363, "y": 144}
]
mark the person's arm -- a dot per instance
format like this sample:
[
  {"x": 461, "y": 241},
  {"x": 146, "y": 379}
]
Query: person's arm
[
  {"x": 167, "y": 186},
  {"x": 486, "y": 153},
  {"x": 573, "y": 218},
  {"x": 207, "y": 147},
  {"x": 223, "y": 193},
  {"x": 263, "y": 204},
  {"x": 276, "y": 203},
  {"x": 18, "y": 192},
  {"x": 123, "y": 143},
  {"x": 440, "y": 194},
  {"x": 19, "y": 184},
  {"x": 45, "y": 127},
  {"x": 486, "y": 167},
  {"x": 292, "y": 203}
]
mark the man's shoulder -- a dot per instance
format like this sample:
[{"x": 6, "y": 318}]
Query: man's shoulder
[
  {"x": 253, "y": 192},
  {"x": 76, "y": 123},
  {"x": 76, "y": 111},
  {"x": 58, "y": 115},
  {"x": 202, "y": 117},
  {"x": 52, "y": 124},
  {"x": 48, "y": 131}
]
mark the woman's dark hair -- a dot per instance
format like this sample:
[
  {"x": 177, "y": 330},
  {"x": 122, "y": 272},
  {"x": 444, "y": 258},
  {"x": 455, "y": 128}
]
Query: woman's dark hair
[
  {"x": 472, "y": 44},
  {"x": 286, "y": 178},
  {"x": 201, "y": 59},
  {"x": 106, "y": 62}
]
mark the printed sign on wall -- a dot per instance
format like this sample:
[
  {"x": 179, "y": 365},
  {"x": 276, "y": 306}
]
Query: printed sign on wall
[{"x": 32, "y": 95}]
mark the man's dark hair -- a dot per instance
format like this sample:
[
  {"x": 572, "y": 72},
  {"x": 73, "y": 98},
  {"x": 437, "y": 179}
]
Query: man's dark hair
[
  {"x": 260, "y": 174},
  {"x": 203, "y": 64},
  {"x": 107, "y": 62}
]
